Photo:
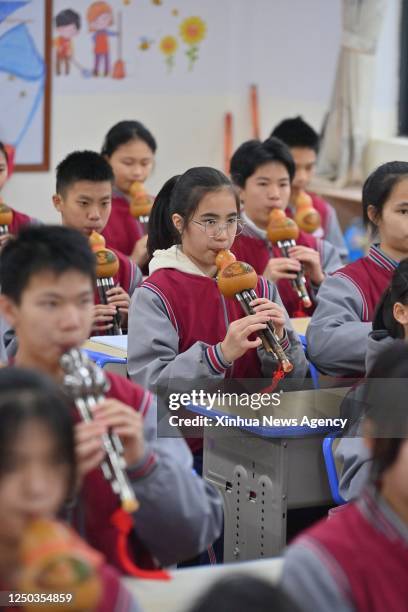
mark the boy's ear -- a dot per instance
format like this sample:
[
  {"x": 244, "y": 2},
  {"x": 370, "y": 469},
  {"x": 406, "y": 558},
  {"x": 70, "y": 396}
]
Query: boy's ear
[
  {"x": 8, "y": 310},
  {"x": 57, "y": 201}
]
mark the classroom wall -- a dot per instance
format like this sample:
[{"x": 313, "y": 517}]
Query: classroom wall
[{"x": 287, "y": 48}]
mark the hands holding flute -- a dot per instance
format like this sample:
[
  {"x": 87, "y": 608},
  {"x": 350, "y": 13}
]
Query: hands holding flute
[
  {"x": 310, "y": 260},
  {"x": 236, "y": 342},
  {"x": 111, "y": 416},
  {"x": 265, "y": 318},
  {"x": 118, "y": 300},
  {"x": 288, "y": 267}
]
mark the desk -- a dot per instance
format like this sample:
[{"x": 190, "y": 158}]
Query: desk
[
  {"x": 263, "y": 471},
  {"x": 98, "y": 347},
  {"x": 178, "y": 594},
  {"x": 346, "y": 201},
  {"x": 108, "y": 351}
]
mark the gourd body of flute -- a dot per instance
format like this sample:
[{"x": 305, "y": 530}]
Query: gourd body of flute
[
  {"x": 237, "y": 279},
  {"x": 55, "y": 560},
  {"x": 306, "y": 216},
  {"x": 140, "y": 204},
  {"x": 107, "y": 266}
]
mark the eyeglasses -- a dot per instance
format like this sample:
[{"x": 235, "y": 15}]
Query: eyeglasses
[{"x": 214, "y": 228}]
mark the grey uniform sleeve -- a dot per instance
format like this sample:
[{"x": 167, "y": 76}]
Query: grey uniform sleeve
[
  {"x": 334, "y": 235},
  {"x": 337, "y": 337},
  {"x": 351, "y": 454},
  {"x": 137, "y": 278},
  {"x": 153, "y": 346},
  {"x": 378, "y": 341},
  {"x": 356, "y": 462},
  {"x": 180, "y": 514},
  {"x": 290, "y": 344},
  {"x": 307, "y": 580},
  {"x": 330, "y": 257}
]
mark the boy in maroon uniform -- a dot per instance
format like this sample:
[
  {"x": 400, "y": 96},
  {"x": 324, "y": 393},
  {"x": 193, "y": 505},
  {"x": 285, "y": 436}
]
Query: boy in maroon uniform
[
  {"x": 263, "y": 172},
  {"x": 84, "y": 199},
  {"x": 47, "y": 279}
]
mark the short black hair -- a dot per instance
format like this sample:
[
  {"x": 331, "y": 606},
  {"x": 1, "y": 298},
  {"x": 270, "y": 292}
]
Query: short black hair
[
  {"x": 253, "y": 153},
  {"x": 244, "y": 593},
  {"x": 68, "y": 17},
  {"x": 82, "y": 166},
  {"x": 43, "y": 248},
  {"x": 26, "y": 395},
  {"x": 297, "y": 133}
]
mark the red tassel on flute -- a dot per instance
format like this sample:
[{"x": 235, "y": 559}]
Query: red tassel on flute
[{"x": 124, "y": 524}]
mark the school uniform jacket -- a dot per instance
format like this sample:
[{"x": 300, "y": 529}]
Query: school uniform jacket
[
  {"x": 19, "y": 221},
  {"x": 330, "y": 228},
  {"x": 356, "y": 560},
  {"x": 253, "y": 247},
  {"x": 351, "y": 452},
  {"x": 177, "y": 320},
  {"x": 337, "y": 335},
  {"x": 122, "y": 230}
]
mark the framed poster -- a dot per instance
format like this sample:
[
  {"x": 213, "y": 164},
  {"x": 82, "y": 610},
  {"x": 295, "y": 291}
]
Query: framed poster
[{"x": 25, "y": 81}]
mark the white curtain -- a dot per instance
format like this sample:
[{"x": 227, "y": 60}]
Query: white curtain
[{"x": 347, "y": 125}]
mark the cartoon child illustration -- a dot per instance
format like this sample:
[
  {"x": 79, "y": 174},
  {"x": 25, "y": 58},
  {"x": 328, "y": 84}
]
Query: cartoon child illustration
[
  {"x": 100, "y": 17},
  {"x": 68, "y": 24}
]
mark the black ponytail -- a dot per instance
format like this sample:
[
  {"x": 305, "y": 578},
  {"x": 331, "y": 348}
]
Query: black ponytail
[
  {"x": 161, "y": 232},
  {"x": 181, "y": 195}
]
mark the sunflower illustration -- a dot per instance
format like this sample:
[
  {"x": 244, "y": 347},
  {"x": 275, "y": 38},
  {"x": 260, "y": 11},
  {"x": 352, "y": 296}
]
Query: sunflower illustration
[
  {"x": 192, "y": 32},
  {"x": 168, "y": 46}
]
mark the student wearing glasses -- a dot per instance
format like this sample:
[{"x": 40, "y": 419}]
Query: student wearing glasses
[{"x": 180, "y": 326}]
